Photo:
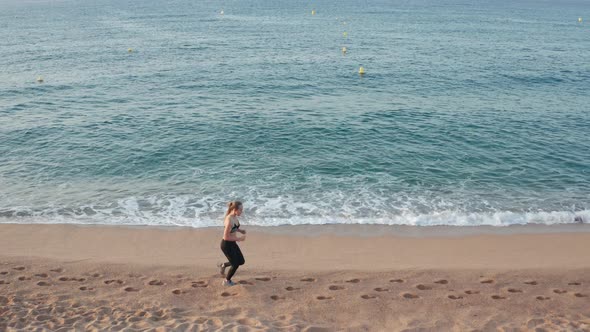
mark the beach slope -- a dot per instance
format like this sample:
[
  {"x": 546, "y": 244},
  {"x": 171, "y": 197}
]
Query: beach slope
[{"x": 353, "y": 278}]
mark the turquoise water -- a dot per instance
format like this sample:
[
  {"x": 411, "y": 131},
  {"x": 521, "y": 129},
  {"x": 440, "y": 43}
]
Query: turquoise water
[{"x": 469, "y": 113}]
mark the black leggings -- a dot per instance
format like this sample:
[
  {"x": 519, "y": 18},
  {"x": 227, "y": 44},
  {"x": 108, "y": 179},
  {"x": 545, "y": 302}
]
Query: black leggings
[{"x": 234, "y": 255}]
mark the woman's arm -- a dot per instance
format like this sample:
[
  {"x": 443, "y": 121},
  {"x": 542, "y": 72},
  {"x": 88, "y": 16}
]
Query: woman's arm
[{"x": 227, "y": 235}]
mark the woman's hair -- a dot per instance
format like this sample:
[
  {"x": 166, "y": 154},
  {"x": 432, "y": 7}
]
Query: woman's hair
[{"x": 233, "y": 205}]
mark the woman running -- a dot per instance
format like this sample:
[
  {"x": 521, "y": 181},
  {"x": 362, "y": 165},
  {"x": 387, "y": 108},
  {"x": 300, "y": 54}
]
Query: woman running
[{"x": 228, "y": 243}]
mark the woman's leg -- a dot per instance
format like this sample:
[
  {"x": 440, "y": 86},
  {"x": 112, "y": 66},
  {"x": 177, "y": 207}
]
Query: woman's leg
[
  {"x": 226, "y": 248},
  {"x": 236, "y": 259},
  {"x": 222, "y": 267},
  {"x": 231, "y": 272}
]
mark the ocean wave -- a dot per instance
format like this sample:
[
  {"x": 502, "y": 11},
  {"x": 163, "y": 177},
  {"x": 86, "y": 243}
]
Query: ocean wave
[{"x": 186, "y": 211}]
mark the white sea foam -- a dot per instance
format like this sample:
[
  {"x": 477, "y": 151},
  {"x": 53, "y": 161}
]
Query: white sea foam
[{"x": 285, "y": 210}]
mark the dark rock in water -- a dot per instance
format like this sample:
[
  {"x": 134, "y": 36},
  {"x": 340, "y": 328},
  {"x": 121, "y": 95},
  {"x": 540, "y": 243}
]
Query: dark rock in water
[{"x": 579, "y": 219}]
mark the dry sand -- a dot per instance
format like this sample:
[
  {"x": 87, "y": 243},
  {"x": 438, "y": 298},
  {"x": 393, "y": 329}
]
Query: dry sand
[{"x": 353, "y": 278}]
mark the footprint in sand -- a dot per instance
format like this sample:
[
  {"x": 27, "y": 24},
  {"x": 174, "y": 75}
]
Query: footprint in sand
[
  {"x": 532, "y": 282},
  {"x": 199, "y": 284},
  {"x": 42, "y": 275},
  {"x": 368, "y": 296},
  {"x": 514, "y": 290},
  {"x": 423, "y": 287},
  {"x": 580, "y": 295},
  {"x": 471, "y": 292},
  {"x": 487, "y": 281},
  {"x": 226, "y": 294},
  {"x": 498, "y": 297},
  {"x": 84, "y": 288},
  {"x": 399, "y": 281},
  {"x": 277, "y": 297},
  {"x": 321, "y": 297},
  {"x": 559, "y": 291},
  {"x": 69, "y": 279},
  {"x": 379, "y": 289},
  {"x": 22, "y": 278},
  {"x": 131, "y": 289},
  {"x": 455, "y": 297},
  {"x": 248, "y": 322},
  {"x": 290, "y": 289},
  {"x": 353, "y": 281},
  {"x": 308, "y": 279},
  {"x": 178, "y": 292},
  {"x": 200, "y": 320},
  {"x": 410, "y": 296},
  {"x": 534, "y": 322},
  {"x": 96, "y": 275},
  {"x": 155, "y": 283},
  {"x": 43, "y": 283},
  {"x": 574, "y": 283},
  {"x": 57, "y": 270},
  {"x": 245, "y": 282},
  {"x": 42, "y": 318},
  {"x": 263, "y": 279},
  {"x": 543, "y": 298},
  {"x": 2, "y": 282},
  {"x": 4, "y": 272},
  {"x": 108, "y": 282},
  {"x": 19, "y": 268},
  {"x": 335, "y": 287},
  {"x": 442, "y": 282}
]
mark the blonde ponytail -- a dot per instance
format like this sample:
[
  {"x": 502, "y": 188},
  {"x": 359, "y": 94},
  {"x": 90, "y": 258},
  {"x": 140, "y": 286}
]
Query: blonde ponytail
[{"x": 233, "y": 205}]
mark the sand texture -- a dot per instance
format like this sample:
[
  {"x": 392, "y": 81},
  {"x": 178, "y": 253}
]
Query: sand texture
[{"x": 123, "y": 293}]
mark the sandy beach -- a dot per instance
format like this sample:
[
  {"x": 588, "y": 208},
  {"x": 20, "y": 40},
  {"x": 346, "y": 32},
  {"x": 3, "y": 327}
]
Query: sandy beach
[{"x": 306, "y": 278}]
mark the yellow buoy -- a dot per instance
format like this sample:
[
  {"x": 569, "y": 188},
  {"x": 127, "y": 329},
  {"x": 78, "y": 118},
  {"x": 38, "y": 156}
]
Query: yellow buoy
[
  {"x": 344, "y": 50},
  {"x": 129, "y": 50},
  {"x": 345, "y": 34},
  {"x": 40, "y": 79},
  {"x": 313, "y": 12},
  {"x": 362, "y": 70},
  {"x": 580, "y": 19}
]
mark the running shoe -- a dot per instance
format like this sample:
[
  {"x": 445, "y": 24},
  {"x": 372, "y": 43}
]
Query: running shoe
[
  {"x": 228, "y": 283},
  {"x": 221, "y": 267}
]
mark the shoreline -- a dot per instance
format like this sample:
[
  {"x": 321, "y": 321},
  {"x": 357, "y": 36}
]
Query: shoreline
[
  {"x": 372, "y": 230},
  {"x": 362, "y": 230}
]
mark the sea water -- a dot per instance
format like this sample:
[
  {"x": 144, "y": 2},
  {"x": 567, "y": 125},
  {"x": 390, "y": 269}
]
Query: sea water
[{"x": 160, "y": 112}]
